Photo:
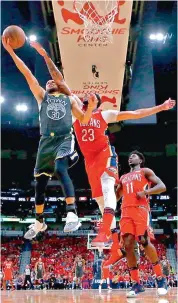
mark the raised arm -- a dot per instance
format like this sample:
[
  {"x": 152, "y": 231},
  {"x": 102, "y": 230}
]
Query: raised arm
[
  {"x": 56, "y": 75},
  {"x": 83, "y": 117},
  {"x": 145, "y": 112},
  {"x": 112, "y": 116},
  {"x": 158, "y": 188},
  {"x": 36, "y": 89}
]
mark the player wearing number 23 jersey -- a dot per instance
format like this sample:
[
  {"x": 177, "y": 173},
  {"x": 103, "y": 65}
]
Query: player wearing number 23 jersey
[{"x": 99, "y": 155}]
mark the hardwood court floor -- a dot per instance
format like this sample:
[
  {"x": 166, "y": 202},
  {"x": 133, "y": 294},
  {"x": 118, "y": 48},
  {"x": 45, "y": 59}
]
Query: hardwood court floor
[{"x": 84, "y": 296}]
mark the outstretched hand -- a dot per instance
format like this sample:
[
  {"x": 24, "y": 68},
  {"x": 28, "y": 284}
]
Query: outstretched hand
[
  {"x": 92, "y": 101},
  {"x": 38, "y": 48},
  {"x": 6, "y": 44},
  {"x": 169, "y": 104}
]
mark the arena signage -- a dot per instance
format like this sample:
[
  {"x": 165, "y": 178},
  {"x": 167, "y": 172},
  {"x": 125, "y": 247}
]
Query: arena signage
[{"x": 78, "y": 56}]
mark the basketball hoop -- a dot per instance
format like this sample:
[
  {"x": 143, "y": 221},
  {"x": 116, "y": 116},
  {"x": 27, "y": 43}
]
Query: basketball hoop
[{"x": 98, "y": 17}]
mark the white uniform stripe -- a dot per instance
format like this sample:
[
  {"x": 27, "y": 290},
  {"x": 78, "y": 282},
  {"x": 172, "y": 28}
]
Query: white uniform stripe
[{"x": 71, "y": 150}]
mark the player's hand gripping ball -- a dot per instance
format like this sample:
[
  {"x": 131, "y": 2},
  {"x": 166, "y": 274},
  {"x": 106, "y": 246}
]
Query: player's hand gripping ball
[{"x": 15, "y": 36}]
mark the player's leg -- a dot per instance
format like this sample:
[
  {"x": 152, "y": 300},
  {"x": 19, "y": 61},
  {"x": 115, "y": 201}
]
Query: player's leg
[
  {"x": 117, "y": 253},
  {"x": 39, "y": 225},
  {"x": 151, "y": 253},
  {"x": 61, "y": 171},
  {"x": 104, "y": 235},
  {"x": 141, "y": 224},
  {"x": 129, "y": 245},
  {"x": 128, "y": 231},
  {"x": 4, "y": 284},
  {"x": 100, "y": 285},
  {"x": 44, "y": 168},
  {"x": 11, "y": 284},
  {"x": 108, "y": 283}
]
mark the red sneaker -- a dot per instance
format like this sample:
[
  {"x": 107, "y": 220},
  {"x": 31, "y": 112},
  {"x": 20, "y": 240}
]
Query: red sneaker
[
  {"x": 102, "y": 240},
  {"x": 115, "y": 257}
]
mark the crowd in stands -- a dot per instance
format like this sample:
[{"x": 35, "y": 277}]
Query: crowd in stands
[{"x": 58, "y": 256}]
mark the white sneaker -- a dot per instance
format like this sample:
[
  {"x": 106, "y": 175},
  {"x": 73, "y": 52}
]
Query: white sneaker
[
  {"x": 72, "y": 222},
  {"x": 34, "y": 230},
  {"x": 109, "y": 288},
  {"x": 43, "y": 228}
]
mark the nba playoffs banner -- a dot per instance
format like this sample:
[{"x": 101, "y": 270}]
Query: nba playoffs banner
[{"x": 93, "y": 67}]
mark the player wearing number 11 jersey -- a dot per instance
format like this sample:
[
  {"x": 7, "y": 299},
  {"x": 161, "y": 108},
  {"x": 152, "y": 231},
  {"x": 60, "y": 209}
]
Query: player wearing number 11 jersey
[
  {"x": 135, "y": 188},
  {"x": 101, "y": 161}
]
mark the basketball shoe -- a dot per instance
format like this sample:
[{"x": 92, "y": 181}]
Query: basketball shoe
[
  {"x": 72, "y": 223},
  {"x": 34, "y": 229},
  {"x": 102, "y": 240},
  {"x": 115, "y": 257},
  {"x": 135, "y": 290},
  {"x": 162, "y": 286}
]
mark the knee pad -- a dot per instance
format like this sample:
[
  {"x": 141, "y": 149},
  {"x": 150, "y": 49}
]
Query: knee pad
[
  {"x": 108, "y": 183},
  {"x": 143, "y": 240}
]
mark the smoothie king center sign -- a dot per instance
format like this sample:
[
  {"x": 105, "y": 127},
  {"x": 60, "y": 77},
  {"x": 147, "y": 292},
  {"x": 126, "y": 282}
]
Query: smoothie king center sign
[
  {"x": 78, "y": 56},
  {"x": 77, "y": 28}
]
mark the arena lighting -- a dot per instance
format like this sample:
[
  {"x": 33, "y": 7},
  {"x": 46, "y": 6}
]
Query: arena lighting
[
  {"x": 157, "y": 37},
  {"x": 32, "y": 38},
  {"x": 2, "y": 99},
  {"x": 21, "y": 108}
]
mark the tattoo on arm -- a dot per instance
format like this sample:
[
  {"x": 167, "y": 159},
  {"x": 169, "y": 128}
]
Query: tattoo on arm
[{"x": 53, "y": 70}]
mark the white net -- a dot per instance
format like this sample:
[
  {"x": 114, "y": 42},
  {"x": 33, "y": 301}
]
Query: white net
[
  {"x": 89, "y": 246},
  {"x": 98, "y": 17}
]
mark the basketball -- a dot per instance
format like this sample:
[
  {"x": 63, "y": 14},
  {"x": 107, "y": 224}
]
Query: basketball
[{"x": 15, "y": 35}]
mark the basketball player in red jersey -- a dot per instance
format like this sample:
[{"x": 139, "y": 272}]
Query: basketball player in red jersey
[
  {"x": 100, "y": 156},
  {"x": 101, "y": 161},
  {"x": 8, "y": 273},
  {"x": 135, "y": 188},
  {"x": 105, "y": 275}
]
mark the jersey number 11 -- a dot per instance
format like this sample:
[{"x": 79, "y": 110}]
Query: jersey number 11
[{"x": 129, "y": 188}]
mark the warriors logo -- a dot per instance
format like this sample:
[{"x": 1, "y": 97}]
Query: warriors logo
[{"x": 56, "y": 111}]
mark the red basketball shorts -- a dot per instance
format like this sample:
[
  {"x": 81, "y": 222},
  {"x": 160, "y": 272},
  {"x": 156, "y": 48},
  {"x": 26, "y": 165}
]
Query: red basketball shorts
[
  {"x": 134, "y": 220},
  {"x": 105, "y": 161},
  {"x": 8, "y": 276}
]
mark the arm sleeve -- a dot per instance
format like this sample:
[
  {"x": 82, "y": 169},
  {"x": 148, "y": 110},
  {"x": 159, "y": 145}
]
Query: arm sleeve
[{"x": 110, "y": 116}]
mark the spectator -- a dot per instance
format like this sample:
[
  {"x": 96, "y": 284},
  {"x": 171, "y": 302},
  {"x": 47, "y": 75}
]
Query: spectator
[
  {"x": 115, "y": 280},
  {"x": 52, "y": 282}
]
